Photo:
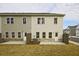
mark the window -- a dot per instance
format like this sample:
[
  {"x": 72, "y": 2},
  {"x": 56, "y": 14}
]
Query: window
[
  {"x": 40, "y": 21},
  {"x": 12, "y": 20},
  {"x": 43, "y": 21},
  {"x": 8, "y": 20},
  {"x": 25, "y": 34},
  {"x": 6, "y": 34},
  {"x": 24, "y": 20},
  {"x": 56, "y": 34},
  {"x": 43, "y": 34},
  {"x": 13, "y": 34},
  {"x": 37, "y": 34},
  {"x": 55, "y": 20},
  {"x": 50, "y": 34},
  {"x": 19, "y": 34}
]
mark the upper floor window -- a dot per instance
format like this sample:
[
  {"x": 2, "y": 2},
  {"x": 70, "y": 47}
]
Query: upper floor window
[
  {"x": 55, "y": 20},
  {"x": 40, "y": 21},
  {"x": 12, "y": 20},
  {"x": 24, "y": 20},
  {"x": 8, "y": 20},
  {"x": 43, "y": 21}
]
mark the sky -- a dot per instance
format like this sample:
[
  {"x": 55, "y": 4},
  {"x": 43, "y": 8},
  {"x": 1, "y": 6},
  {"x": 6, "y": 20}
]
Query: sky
[{"x": 71, "y": 10}]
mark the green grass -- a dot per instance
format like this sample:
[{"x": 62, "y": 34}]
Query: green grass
[{"x": 39, "y": 50}]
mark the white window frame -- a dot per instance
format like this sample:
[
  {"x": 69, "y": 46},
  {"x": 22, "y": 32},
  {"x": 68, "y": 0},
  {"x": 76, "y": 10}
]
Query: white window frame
[
  {"x": 40, "y": 20},
  {"x": 10, "y": 20},
  {"x": 55, "y": 20},
  {"x": 24, "y": 20}
]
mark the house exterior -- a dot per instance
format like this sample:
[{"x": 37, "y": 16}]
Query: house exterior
[
  {"x": 39, "y": 25},
  {"x": 77, "y": 31},
  {"x": 66, "y": 30},
  {"x": 72, "y": 30}
]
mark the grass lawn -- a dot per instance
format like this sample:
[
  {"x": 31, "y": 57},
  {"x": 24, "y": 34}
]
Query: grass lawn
[{"x": 40, "y": 50}]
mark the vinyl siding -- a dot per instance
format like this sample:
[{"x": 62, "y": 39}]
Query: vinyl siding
[
  {"x": 49, "y": 26},
  {"x": 18, "y": 25}
]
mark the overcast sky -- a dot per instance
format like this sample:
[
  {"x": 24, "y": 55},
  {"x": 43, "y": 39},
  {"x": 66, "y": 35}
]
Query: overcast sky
[{"x": 71, "y": 10}]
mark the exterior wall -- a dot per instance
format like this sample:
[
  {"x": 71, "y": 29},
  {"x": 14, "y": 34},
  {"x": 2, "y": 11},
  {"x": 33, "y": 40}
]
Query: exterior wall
[
  {"x": 49, "y": 26},
  {"x": 0, "y": 24},
  {"x": 18, "y": 26},
  {"x": 72, "y": 32},
  {"x": 67, "y": 30},
  {"x": 31, "y": 26},
  {"x": 77, "y": 31}
]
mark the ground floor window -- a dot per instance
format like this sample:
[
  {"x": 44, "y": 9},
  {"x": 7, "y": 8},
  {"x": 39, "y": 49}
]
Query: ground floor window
[
  {"x": 25, "y": 34},
  {"x": 37, "y": 34},
  {"x": 7, "y": 34},
  {"x": 13, "y": 34},
  {"x": 44, "y": 35},
  {"x": 56, "y": 34},
  {"x": 19, "y": 34},
  {"x": 50, "y": 34}
]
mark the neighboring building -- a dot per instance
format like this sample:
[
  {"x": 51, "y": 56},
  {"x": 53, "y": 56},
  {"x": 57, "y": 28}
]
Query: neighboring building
[
  {"x": 66, "y": 30},
  {"x": 39, "y": 25},
  {"x": 72, "y": 30},
  {"x": 77, "y": 31}
]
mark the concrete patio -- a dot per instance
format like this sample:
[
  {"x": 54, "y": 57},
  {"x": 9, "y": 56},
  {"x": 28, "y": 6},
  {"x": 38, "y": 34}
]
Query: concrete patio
[
  {"x": 55, "y": 43},
  {"x": 13, "y": 42}
]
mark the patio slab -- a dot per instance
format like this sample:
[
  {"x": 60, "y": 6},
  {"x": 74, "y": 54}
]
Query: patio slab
[
  {"x": 55, "y": 43},
  {"x": 13, "y": 42}
]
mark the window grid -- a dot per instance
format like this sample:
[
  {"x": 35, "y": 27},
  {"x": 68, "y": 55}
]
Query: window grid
[
  {"x": 56, "y": 34},
  {"x": 37, "y": 34},
  {"x": 8, "y": 21},
  {"x": 19, "y": 34},
  {"x": 50, "y": 34},
  {"x": 7, "y": 34},
  {"x": 55, "y": 20},
  {"x": 25, "y": 34},
  {"x": 24, "y": 20},
  {"x": 13, "y": 34},
  {"x": 40, "y": 21},
  {"x": 43, "y": 21},
  {"x": 12, "y": 20},
  {"x": 44, "y": 35}
]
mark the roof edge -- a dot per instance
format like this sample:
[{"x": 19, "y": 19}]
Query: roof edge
[{"x": 24, "y": 13}]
